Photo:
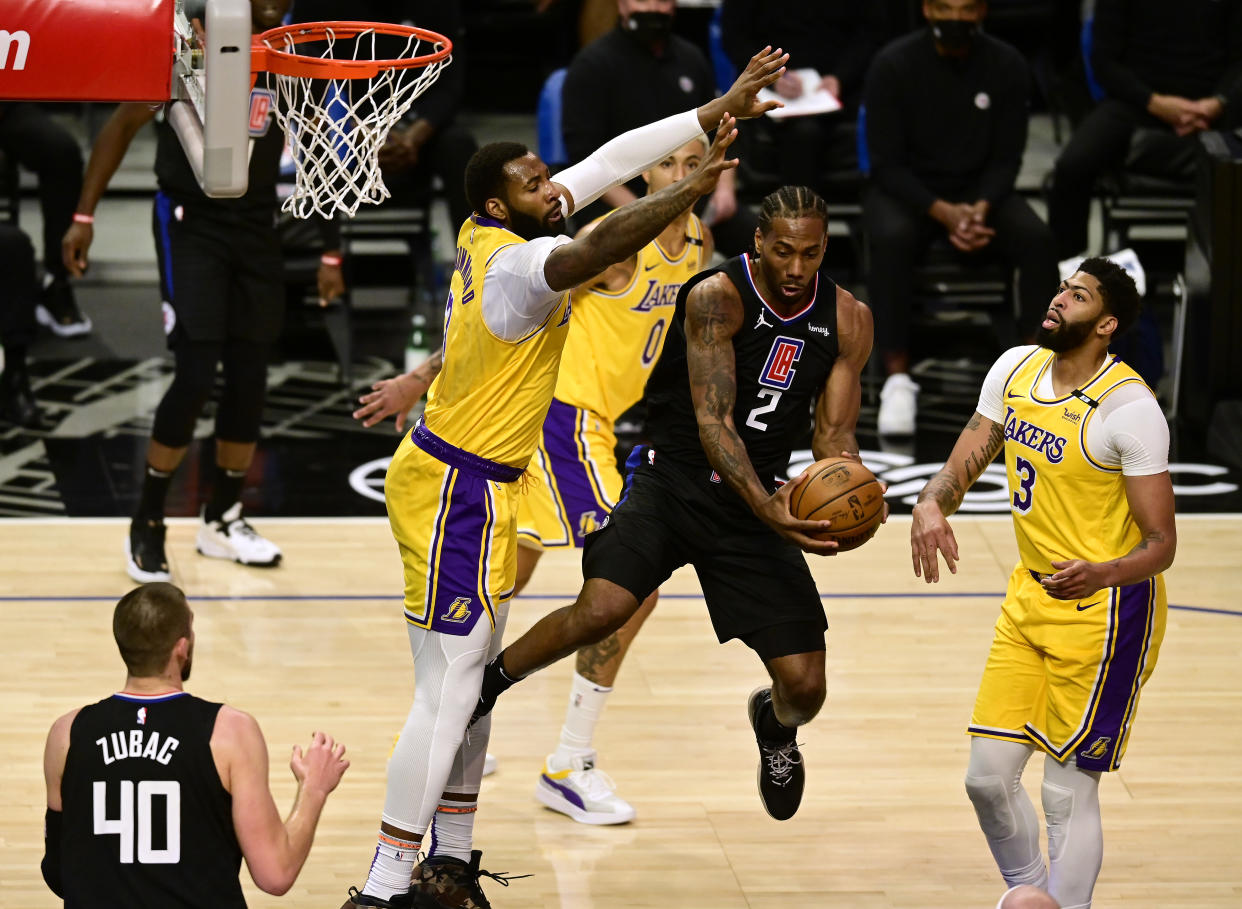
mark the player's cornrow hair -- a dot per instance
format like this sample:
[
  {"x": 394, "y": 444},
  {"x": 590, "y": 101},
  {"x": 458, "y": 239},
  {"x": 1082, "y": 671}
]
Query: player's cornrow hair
[
  {"x": 485, "y": 172},
  {"x": 1121, "y": 296},
  {"x": 147, "y": 623},
  {"x": 791, "y": 202}
]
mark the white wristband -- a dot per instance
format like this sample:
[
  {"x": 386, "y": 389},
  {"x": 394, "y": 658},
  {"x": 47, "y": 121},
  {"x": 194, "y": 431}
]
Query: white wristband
[{"x": 626, "y": 156}]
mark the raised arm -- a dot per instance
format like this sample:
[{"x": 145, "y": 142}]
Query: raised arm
[
  {"x": 106, "y": 155},
  {"x": 713, "y": 317},
  {"x": 275, "y": 851},
  {"x": 630, "y": 228},
  {"x": 836, "y": 412},
  {"x": 930, "y": 532}
]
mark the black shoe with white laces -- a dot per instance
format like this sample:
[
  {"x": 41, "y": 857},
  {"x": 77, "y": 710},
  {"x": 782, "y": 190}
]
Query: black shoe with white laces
[
  {"x": 144, "y": 551},
  {"x": 358, "y": 900},
  {"x": 782, "y": 776},
  {"x": 58, "y": 310}
]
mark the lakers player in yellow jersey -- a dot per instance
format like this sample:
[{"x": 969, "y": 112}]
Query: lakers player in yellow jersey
[
  {"x": 1086, "y": 454},
  {"x": 620, "y": 320},
  {"x": 451, "y": 488}
]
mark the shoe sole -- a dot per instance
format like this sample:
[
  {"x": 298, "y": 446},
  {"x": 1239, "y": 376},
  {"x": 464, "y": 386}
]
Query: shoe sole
[
  {"x": 136, "y": 573},
  {"x": 75, "y": 329},
  {"x": 550, "y": 798},
  {"x": 212, "y": 552}
]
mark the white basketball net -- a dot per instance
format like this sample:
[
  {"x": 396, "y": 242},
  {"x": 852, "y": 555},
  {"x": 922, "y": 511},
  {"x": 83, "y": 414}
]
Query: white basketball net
[{"x": 336, "y": 127}]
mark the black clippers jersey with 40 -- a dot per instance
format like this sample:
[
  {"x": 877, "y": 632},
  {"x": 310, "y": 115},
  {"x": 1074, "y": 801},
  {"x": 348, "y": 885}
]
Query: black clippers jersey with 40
[
  {"x": 782, "y": 364},
  {"x": 146, "y": 820}
]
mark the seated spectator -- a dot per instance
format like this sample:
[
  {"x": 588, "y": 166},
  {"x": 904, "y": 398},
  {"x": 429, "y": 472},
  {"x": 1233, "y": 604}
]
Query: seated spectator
[
  {"x": 836, "y": 38},
  {"x": 428, "y": 142},
  {"x": 18, "y": 295},
  {"x": 946, "y": 123},
  {"x": 1172, "y": 72},
  {"x": 636, "y": 73},
  {"x": 41, "y": 145}
]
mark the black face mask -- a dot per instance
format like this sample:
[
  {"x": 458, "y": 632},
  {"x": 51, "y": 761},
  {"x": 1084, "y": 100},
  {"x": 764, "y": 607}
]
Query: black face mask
[
  {"x": 955, "y": 35},
  {"x": 649, "y": 28}
]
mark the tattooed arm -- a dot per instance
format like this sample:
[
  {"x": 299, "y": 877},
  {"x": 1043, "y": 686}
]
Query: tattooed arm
[
  {"x": 930, "y": 532},
  {"x": 713, "y": 317},
  {"x": 1151, "y": 502}
]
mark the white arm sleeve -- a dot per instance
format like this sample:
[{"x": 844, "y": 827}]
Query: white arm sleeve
[
  {"x": 516, "y": 296},
  {"x": 991, "y": 395},
  {"x": 1135, "y": 434},
  {"x": 625, "y": 157}
]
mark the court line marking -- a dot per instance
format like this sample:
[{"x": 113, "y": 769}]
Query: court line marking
[{"x": 366, "y": 597}]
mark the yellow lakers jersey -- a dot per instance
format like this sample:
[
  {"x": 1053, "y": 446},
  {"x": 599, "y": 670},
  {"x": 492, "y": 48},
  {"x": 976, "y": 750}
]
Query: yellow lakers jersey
[
  {"x": 492, "y": 395},
  {"x": 616, "y": 336},
  {"x": 1067, "y": 502}
]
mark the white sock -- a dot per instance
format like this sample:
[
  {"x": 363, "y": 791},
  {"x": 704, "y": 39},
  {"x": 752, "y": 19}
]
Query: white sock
[
  {"x": 452, "y": 831},
  {"x": 586, "y": 703},
  {"x": 392, "y": 867}
]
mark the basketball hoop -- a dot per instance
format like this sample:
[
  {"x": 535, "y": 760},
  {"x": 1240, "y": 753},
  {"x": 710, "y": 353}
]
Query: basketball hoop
[{"x": 337, "y": 100}]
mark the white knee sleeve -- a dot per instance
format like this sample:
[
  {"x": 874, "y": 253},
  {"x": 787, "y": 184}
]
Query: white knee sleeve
[
  {"x": 1005, "y": 812},
  {"x": 448, "y": 671},
  {"x": 1075, "y": 838}
]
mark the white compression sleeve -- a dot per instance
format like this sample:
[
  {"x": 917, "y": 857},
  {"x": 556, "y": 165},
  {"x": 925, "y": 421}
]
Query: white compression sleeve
[
  {"x": 625, "y": 157},
  {"x": 1005, "y": 812},
  {"x": 1075, "y": 837}
]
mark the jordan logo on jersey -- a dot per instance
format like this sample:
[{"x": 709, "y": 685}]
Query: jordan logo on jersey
[
  {"x": 761, "y": 321},
  {"x": 458, "y": 611},
  {"x": 778, "y": 372},
  {"x": 1097, "y": 749},
  {"x": 261, "y": 103}
]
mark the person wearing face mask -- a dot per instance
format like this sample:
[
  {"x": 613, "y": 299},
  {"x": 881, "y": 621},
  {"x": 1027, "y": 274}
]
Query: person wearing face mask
[
  {"x": 637, "y": 72},
  {"x": 946, "y": 124}
]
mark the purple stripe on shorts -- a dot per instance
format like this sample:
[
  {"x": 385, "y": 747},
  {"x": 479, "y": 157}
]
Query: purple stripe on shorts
[
  {"x": 1133, "y": 618},
  {"x": 464, "y": 546},
  {"x": 584, "y": 511}
]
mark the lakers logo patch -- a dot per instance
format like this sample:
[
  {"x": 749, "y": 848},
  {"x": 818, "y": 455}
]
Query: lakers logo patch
[
  {"x": 587, "y": 523},
  {"x": 458, "y": 611},
  {"x": 1096, "y": 749}
]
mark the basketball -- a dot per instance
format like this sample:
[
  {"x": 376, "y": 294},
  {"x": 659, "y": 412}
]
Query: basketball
[{"x": 843, "y": 492}]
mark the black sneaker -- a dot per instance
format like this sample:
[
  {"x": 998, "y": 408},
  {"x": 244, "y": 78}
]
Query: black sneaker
[
  {"x": 444, "y": 882},
  {"x": 397, "y": 901},
  {"x": 58, "y": 310},
  {"x": 781, "y": 774},
  {"x": 144, "y": 551},
  {"x": 17, "y": 401}
]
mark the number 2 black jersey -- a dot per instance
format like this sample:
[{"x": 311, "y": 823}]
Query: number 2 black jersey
[
  {"x": 782, "y": 364},
  {"x": 146, "y": 820}
]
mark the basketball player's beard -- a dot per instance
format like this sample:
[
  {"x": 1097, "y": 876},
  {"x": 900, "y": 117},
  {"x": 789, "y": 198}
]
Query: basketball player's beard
[
  {"x": 529, "y": 227},
  {"x": 1066, "y": 336}
]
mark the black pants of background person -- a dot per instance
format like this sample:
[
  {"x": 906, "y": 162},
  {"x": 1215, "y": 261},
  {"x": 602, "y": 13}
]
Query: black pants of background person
[
  {"x": 18, "y": 294},
  {"x": 1101, "y": 142},
  {"x": 38, "y": 143},
  {"x": 444, "y": 156},
  {"x": 897, "y": 239}
]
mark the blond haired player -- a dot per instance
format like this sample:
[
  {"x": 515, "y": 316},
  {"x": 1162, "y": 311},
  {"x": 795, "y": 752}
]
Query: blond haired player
[
  {"x": 451, "y": 489},
  {"x": 620, "y": 318},
  {"x": 1087, "y": 456}
]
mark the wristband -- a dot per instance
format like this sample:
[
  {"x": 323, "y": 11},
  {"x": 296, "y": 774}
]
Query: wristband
[
  {"x": 329, "y": 259},
  {"x": 81, "y": 218}
]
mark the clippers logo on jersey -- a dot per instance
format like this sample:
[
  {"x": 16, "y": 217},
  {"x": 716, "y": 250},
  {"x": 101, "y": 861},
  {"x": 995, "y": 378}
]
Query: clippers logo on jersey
[
  {"x": 142, "y": 716},
  {"x": 261, "y": 103},
  {"x": 778, "y": 372},
  {"x": 458, "y": 611},
  {"x": 1097, "y": 749},
  {"x": 1034, "y": 437},
  {"x": 657, "y": 295}
]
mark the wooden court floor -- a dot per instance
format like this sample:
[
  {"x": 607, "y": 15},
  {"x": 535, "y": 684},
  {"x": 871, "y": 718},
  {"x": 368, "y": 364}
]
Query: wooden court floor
[{"x": 319, "y": 644}]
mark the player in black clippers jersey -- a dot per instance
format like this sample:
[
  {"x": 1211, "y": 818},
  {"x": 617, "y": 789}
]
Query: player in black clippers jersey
[
  {"x": 752, "y": 346},
  {"x": 154, "y": 795},
  {"x": 221, "y": 281}
]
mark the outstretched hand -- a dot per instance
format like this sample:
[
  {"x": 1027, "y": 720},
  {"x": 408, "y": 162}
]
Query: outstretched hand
[
  {"x": 321, "y": 766},
  {"x": 764, "y": 68},
  {"x": 391, "y": 396},
  {"x": 707, "y": 174}
]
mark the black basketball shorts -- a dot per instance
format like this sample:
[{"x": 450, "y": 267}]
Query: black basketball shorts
[
  {"x": 752, "y": 578},
  {"x": 220, "y": 272}
]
